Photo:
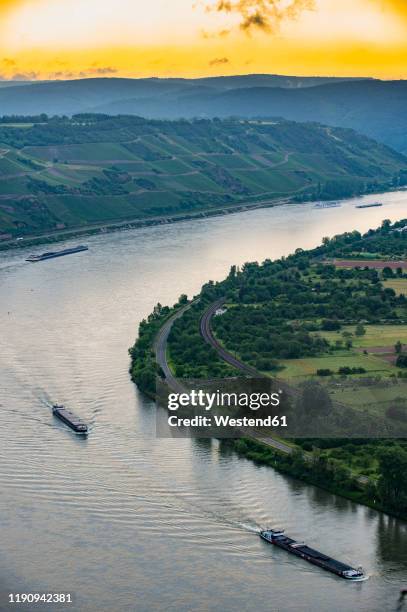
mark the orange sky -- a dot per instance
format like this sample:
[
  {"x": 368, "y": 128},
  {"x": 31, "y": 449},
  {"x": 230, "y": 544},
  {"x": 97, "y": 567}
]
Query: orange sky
[{"x": 73, "y": 38}]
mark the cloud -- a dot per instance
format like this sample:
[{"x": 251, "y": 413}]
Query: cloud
[
  {"x": 56, "y": 75},
  {"x": 102, "y": 70},
  {"x": 263, "y": 14},
  {"x": 25, "y": 76},
  {"x": 217, "y": 61}
]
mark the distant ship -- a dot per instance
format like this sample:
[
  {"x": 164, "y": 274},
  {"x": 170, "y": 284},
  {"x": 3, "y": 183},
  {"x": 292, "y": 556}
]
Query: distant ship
[
  {"x": 327, "y": 205},
  {"x": 52, "y": 254},
  {"x": 373, "y": 205}
]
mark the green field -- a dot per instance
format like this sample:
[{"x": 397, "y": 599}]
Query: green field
[
  {"x": 297, "y": 369},
  {"x": 373, "y": 398},
  {"x": 375, "y": 336}
]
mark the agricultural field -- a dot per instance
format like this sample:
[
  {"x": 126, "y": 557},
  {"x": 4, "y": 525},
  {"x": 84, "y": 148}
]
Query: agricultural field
[
  {"x": 398, "y": 284},
  {"x": 374, "y": 336},
  {"x": 298, "y": 370}
]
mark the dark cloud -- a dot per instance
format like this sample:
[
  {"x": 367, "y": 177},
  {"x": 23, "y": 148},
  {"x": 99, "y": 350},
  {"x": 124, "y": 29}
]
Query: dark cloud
[
  {"x": 263, "y": 14},
  {"x": 257, "y": 19},
  {"x": 25, "y": 76},
  {"x": 97, "y": 71},
  {"x": 103, "y": 70},
  {"x": 217, "y": 61}
]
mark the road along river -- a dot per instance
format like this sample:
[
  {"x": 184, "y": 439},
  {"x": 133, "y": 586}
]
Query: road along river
[{"x": 125, "y": 521}]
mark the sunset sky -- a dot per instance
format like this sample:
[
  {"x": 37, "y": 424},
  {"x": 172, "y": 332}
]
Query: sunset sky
[{"x": 57, "y": 39}]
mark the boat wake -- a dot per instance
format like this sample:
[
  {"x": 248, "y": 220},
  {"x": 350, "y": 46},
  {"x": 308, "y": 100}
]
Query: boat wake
[{"x": 252, "y": 528}]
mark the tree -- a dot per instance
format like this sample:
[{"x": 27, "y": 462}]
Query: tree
[
  {"x": 401, "y": 361},
  {"x": 183, "y": 299},
  {"x": 392, "y": 485},
  {"x": 387, "y": 272},
  {"x": 360, "y": 330}
]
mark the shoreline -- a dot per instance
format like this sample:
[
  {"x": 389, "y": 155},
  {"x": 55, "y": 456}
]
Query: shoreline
[{"x": 137, "y": 223}]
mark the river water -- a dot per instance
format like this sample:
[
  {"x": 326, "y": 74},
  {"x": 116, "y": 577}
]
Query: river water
[{"x": 128, "y": 522}]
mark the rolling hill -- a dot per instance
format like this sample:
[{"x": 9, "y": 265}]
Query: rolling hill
[
  {"x": 65, "y": 173},
  {"x": 375, "y": 108}
]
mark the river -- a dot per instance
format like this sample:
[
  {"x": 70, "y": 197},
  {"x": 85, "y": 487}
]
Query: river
[{"x": 128, "y": 522}]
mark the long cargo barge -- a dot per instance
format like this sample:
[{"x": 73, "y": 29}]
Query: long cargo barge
[
  {"x": 299, "y": 549},
  {"x": 374, "y": 205},
  {"x": 52, "y": 254},
  {"x": 70, "y": 419}
]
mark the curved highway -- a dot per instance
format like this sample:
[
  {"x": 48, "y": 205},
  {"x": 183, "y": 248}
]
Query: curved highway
[
  {"x": 160, "y": 349},
  {"x": 207, "y": 334}
]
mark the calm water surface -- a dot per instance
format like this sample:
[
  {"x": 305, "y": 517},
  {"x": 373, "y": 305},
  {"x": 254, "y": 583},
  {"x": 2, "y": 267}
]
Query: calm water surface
[{"x": 125, "y": 521}]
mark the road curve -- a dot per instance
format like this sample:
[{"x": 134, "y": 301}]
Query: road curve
[
  {"x": 160, "y": 349},
  {"x": 207, "y": 334}
]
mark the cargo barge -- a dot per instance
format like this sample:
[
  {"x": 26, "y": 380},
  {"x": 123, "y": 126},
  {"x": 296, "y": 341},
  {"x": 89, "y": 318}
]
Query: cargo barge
[
  {"x": 374, "y": 205},
  {"x": 70, "y": 419},
  {"x": 52, "y": 254},
  {"x": 299, "y": 549},
  {"x": 327, "y": 205}
]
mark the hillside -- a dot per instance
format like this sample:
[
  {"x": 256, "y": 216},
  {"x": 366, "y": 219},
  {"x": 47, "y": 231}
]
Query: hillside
[
  {"x": 92, "y": 169},
  {"x": 375, "y": 108}
]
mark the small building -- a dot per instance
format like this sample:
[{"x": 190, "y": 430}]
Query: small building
[{"x": 219, "y": 312}]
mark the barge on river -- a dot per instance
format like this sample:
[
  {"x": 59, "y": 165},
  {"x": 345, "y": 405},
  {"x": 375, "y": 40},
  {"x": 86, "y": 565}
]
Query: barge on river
[
  {"x": 277, "y": 537},
  {"x": 52, "y": 254},
  {"x": 374, "y": 205},
  {"x": 70, "y": 419}
]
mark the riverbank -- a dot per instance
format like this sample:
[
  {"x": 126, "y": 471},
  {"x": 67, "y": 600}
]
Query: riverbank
[
  {"x": 137, "y": 223},
  {"x": 129, "y": 224},
  {"x": 314, "y": 472}
]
